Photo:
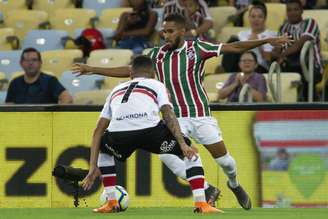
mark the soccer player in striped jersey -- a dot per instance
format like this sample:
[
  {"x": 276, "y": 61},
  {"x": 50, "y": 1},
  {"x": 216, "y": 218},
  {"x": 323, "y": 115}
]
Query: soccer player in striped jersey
[
  {"x": 179, "y": 64},
  {"x": 301, "y": 30}
]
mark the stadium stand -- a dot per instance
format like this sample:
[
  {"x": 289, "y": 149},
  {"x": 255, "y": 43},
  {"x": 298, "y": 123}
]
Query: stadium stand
[
  {"x": 8, "y": 40},
  {"x": 6, "y": 6},
  {"x": 25, "y": 20},
  {"x": 220, "y": 16},
  {"x": 93, "y": 97},
  {"x": 10, "y": 62},
  {"x": 319, "y": 15},
  {"x": 110, "y": 17},
  {"x": 71, "y": 19},
  {"x": 110, "y": 58},
  {"x": 289, "y": 84},
  {"x": 58, "y": 61},
  {"x": 44, "y": 40},
  {"x": 227, "y": 32},
  {"x": 84, "y": 83},
  {"x": 212, "y": 82},
  {"x": 99, "y": 6},
  {"x": 51, "y": 6}
]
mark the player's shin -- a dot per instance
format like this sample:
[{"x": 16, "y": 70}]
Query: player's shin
[
  {"x": 106, "y": 164},
  {"x": 177, "y": 166},
  {"x": 195, "y": 177}
]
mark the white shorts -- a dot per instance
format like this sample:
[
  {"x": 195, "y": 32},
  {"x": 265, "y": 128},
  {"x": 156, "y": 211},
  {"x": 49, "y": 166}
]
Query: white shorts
[{"x": 204, "y": 130}]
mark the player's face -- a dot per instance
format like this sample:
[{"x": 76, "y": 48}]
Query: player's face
[
  {"x": 31, "y": 63},
  {"x": 294, "y": 13},
  {"x": 173, "y": 35},
  {"x": 257, "y": 19},
  {"x": 247, "y": 64}
]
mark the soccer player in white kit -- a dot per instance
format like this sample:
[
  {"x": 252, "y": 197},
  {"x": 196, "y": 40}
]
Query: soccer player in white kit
[
  {"x": 129, "y": 121},
  {"x": 179, "y": 64}
]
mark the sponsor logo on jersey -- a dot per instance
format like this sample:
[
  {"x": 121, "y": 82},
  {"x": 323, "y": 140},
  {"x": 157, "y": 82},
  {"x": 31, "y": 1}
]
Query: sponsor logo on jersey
[{"x": 132, "y": 116}]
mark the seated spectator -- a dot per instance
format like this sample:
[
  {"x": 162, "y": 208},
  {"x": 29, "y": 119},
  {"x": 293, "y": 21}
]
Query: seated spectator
[
  {"x": 301, "y": 30},
  {"x": 257, "y": 16},
  {"x": 307, "y": 4},
  {"x": 281, "y": 161},
  {"x": 35, "y": 87},
  {"x": 199, "y": 20},
  {"x": 241, "y": 6},
  {"x": 232, "y": 87},
  {"x": 198, "y": 25},
  {"x": 135, "y": 28}
]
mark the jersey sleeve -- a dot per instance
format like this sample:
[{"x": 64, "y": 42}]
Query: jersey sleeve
[
  {"x": 207, "y": 49},
  {"x": 106, "y": 111},
  {"x": 310, "y": 28},
  {"x": 162, "y": 95}
]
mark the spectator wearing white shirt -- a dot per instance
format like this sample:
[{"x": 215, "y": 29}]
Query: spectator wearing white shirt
[{"x": 257, "y": 17}]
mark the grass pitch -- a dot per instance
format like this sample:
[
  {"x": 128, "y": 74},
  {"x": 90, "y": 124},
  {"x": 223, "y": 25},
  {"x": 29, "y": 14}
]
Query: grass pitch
[{"x": 162, "y": 213}]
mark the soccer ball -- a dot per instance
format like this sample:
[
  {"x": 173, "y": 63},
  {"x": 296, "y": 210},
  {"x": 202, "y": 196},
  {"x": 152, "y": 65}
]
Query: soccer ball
[{"x": 122, "y": 197}]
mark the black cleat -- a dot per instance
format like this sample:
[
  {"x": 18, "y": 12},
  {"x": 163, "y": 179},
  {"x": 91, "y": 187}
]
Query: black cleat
[
  {"x": 212, "y": 194},
  {"x": 242, "y": 197}
]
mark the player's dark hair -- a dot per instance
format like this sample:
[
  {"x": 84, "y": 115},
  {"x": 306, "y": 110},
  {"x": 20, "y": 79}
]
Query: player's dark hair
[
  {"x": 295, "y": 2},
  {"x": 30, "y": 49},
  {"x": 141, "y": 64},
  {"x": 256, "y": 4},
  {"x": 176, "y": 18}
]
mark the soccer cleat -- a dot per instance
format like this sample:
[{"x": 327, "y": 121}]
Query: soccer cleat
[
  {"x": 205, "y": 208},
  {"x": 242, "y": 197},
  {"x": 110, "y": 206},
  {"x": 212, "y": 194}
]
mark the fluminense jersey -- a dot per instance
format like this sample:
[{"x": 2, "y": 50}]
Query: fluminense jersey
[
  {"x": 135, "y": 105},
  {"x": 182, "y": 72},
  {"x": 309, "y": 27},
  {"x": 174, "y": 7}
]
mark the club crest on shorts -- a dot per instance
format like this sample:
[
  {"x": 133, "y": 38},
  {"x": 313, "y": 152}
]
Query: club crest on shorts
[{"x": 167, "y": 147}]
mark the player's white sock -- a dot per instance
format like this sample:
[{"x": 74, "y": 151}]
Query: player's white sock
[
  {"x": 106, "y": 164},
  {"x": 195, "y": 177},
  {"x": 176, "y": 165},
  {"x": 228, "y": 165}
]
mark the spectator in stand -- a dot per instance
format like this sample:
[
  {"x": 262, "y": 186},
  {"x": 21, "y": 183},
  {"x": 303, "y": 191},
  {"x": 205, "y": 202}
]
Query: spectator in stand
[
  {"x": 257, "y": 17},
  {"x": 232, "y": 87},
  {"x": 35, "y": 87},
  {"x": 281, "y": 161},
  {"x": 301, "y": 30},
  {"x": 306, "y": 4},
  {"x": 241, "y": 6},
  {"x": 135, "y": 28},
  {"x": 196, "y": 13}
]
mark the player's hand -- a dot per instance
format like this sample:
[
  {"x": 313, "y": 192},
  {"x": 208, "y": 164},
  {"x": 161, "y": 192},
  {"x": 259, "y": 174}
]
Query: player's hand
[
  {"x": 81, "y": 69},
  {"x": 281, "y": 40},
  {"x": 90, "y": 178},
  {"x": 188, "y": 152}
]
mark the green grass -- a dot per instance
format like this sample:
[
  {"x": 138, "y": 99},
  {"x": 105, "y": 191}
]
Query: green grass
[{"x": 162, "y": 213}]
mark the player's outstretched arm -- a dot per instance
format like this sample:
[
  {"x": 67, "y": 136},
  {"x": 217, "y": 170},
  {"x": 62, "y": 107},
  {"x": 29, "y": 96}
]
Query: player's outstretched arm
[
  {"x": 88, "y": 181},
  {"x": 173, "y": 125},
  {"x": 242, "y": 46},
  {"x": 84, "y": 69}
]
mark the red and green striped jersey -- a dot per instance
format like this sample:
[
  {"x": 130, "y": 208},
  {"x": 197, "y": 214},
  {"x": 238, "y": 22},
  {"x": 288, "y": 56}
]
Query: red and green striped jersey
[
  {"x": 309, "y": 27},
  {"x": 182, "y": 72}
]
